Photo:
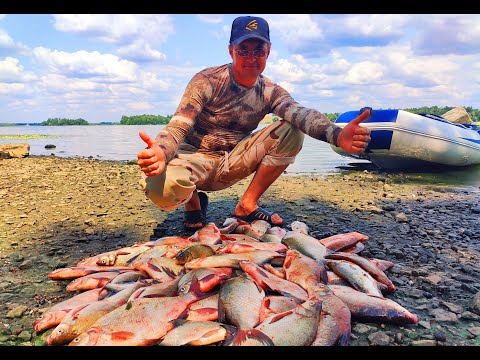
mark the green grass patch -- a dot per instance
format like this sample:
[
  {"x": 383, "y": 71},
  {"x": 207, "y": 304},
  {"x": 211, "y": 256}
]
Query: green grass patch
[{"x": 33, "y": 136}]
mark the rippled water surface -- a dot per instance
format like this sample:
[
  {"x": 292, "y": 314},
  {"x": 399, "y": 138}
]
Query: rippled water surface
[{"x": 121, "y": 142}]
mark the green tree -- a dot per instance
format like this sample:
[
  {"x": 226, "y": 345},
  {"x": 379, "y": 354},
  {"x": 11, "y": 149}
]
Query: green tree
[
  {"x": 145, "y": 120},
  {"x": 64, "y": 122}
]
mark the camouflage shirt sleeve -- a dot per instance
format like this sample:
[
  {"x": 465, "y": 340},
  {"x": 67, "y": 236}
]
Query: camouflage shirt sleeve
[
  {"x": 196, "y": 95},
  {"x": 309, "y": 121}
]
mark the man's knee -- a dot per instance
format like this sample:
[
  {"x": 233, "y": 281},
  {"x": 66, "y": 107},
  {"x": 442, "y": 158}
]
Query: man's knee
[
  {"x": 169, "y": 191},
  {"x": 291, "y": 138}
]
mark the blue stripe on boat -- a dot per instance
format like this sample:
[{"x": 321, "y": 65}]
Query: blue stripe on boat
[
  {"x": 472, "y": 140},
  {"x": 381, "y": 140},
  {"x": 377, "y": 116}
]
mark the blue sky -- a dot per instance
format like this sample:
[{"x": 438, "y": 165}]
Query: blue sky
[{"x": 100, "y": 67}]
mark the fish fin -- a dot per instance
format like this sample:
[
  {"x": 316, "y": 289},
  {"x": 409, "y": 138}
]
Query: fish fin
[
  {"x": 122, "y": 253},
  {"x": 74, "y": 312},
  {"x": 169, "y": 272},
  {"x": 343, "y": 339},
  {"x": 221, "y": 311},
  {"x": 132, "y": 259},
  {"x": 122, "y": 335},
  {"x": 177, "y": 322},
  {"x": 231, "y": 330},
  {"x": 280, "y": 316},
  {"x": 243, "y": 335}
]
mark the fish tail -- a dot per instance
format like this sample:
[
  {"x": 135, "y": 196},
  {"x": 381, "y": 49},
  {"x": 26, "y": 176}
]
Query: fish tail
[
  {"x": 343, "y": 339},
  {"x": 245, "y": 334}
]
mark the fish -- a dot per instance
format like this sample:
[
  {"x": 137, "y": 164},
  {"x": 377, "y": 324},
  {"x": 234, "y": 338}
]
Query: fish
[
  {"x": 295, "y": 327},
  {"x": 167, "y": 288},
  {"x": 369, "y": 308},
  {"x": 160, "y": 268},
  {"x": 366, "y": 265},
  {"x": 274, "y": 304},
  {"x": 239, "y": 301},
  {"x": 339, "y": 242},
  {"x": 91, "y": 281},
  {"x": 356, "y": 276},
  {"x": 300, "y": 227},
  {"x": 194, "y": 251},
  {"x": 55, "y": 314},
  {"x": 275, "y": 270},
  {"x": 208, "y": 278},
  {"x": 209, "y": 235},
  {"x": 232, "y": 260},
  {"x": 204, "y": 310},
  {"x": 141, "y": 322},
  {"x": 334, "y": 326},
  {"x": 303, "y": 270},
  {"x": 196, "y": 333},
  {"x": 81, "y": 318},
  {"x": 382, "y": 264},
  {"x": 277, "y": 231},
  {"x": 238, "y": 247},
  {"x": 272, "y": 283},
  {"x": 74, "y": 272},
  {"x": 117, "y": 257},
  {"x": 305, "y": 244}
]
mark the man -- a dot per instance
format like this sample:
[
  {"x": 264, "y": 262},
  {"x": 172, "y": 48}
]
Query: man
[{"x": 209, "y": 145}]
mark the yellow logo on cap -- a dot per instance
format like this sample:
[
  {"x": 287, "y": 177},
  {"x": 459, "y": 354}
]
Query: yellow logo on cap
[{"x": 252, "y": 25}]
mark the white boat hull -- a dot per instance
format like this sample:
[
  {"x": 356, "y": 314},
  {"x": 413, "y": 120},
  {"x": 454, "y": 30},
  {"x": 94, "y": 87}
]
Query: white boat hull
[{"x": 405, "y": 140}]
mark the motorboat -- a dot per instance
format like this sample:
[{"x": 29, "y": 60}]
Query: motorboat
[{"x": 404, "y": 140}]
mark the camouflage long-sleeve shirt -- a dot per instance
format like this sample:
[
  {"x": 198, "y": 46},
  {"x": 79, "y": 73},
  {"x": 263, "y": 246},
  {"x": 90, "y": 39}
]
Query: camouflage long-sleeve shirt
[{"x": 216, "y": 113}]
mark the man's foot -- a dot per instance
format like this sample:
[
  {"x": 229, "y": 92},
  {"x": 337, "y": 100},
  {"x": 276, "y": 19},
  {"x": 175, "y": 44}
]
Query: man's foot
[
  {"x": 258, "y": 214},
  {"x": 196, "y": 219}
]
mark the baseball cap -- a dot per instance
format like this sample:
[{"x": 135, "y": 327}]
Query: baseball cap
[{"x": 247, "y": 27}]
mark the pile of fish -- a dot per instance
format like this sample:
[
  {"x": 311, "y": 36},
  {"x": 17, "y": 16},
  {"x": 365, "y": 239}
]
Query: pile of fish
[{"x": 248, "y": 284}]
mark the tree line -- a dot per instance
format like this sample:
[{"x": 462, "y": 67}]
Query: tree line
[
  {"x": 63, "y": 122},
  {"x": 163, "y": 120}
]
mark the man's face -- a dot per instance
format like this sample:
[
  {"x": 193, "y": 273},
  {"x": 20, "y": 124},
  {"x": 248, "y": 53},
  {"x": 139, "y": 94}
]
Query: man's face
[{"x": 249, "y": 57}]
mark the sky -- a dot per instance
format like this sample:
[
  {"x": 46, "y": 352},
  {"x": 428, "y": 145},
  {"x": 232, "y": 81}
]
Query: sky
[{"x": 101, "y": 67}]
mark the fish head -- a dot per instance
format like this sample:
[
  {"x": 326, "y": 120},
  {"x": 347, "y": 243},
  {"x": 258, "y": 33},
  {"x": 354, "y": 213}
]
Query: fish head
[
  {"x": 59, "y": 335},
  {"x": 88, "y": 338}
]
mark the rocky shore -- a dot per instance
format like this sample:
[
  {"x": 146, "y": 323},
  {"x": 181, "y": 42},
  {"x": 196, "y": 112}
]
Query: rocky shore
[{"x": 56, "y": 211}]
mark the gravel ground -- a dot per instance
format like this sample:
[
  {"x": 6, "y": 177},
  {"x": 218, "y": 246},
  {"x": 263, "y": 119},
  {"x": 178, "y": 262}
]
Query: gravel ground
[{"x": 56, "y": 211}]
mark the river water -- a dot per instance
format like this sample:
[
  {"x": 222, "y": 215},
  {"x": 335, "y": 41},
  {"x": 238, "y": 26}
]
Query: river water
[{"x": 121, "y": 142}]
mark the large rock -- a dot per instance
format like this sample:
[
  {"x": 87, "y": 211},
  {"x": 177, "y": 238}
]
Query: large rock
[
  {"x": 8, "y": 151},
  {"x": 458, "y": 115}
]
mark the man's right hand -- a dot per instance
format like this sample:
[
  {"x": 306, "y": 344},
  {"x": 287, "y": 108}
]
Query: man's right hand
[{"x": 152, "y": 159}]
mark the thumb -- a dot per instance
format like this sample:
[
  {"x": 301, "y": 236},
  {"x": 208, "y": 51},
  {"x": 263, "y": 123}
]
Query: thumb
[
  {"x": 362, "y": 117},
  {"x": 147, "y": 139}
]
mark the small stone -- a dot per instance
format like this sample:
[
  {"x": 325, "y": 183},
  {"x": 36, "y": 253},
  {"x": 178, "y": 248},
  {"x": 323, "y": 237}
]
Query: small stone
[
  {"x": 424, "y": 343},
  {"x": 439, "y": 336}
]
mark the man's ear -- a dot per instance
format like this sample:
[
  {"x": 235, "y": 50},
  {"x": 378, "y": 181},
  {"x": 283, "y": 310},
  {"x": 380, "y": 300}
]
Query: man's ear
[{"x": 230, "y": 50}]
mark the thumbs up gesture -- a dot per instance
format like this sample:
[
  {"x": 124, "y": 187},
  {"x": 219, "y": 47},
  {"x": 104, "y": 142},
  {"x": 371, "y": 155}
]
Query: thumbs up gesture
[
  {"x": 354, "y": 138},
  {"x": 152, "y": 159}
]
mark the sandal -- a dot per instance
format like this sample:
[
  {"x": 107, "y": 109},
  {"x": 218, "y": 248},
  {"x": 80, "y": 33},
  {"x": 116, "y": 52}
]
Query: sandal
[
  {"x": 258, "y": 214},
  {"x": 197, "y": 216}
]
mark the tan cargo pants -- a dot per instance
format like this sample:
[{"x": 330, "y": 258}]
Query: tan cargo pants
[{"x": 274, "y": 145}]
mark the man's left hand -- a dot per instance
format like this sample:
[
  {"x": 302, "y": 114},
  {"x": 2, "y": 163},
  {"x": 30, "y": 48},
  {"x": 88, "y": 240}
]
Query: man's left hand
[{"x": 354, "y": 138}]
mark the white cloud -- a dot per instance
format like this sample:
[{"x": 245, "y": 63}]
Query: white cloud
[
  {"x": 83, "y": 64},
  {"x": 139, "y": 36},
  {"x": 5, "y": 40},
  {"x": 294, "y": 28},
  {"x": 141, "y": 51},
  {"x": 11, "y": 89},
  {"x": 211, "y": 18},
  {"x": 365, "y": 72},
  {"x": 12, "y": 72}
]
